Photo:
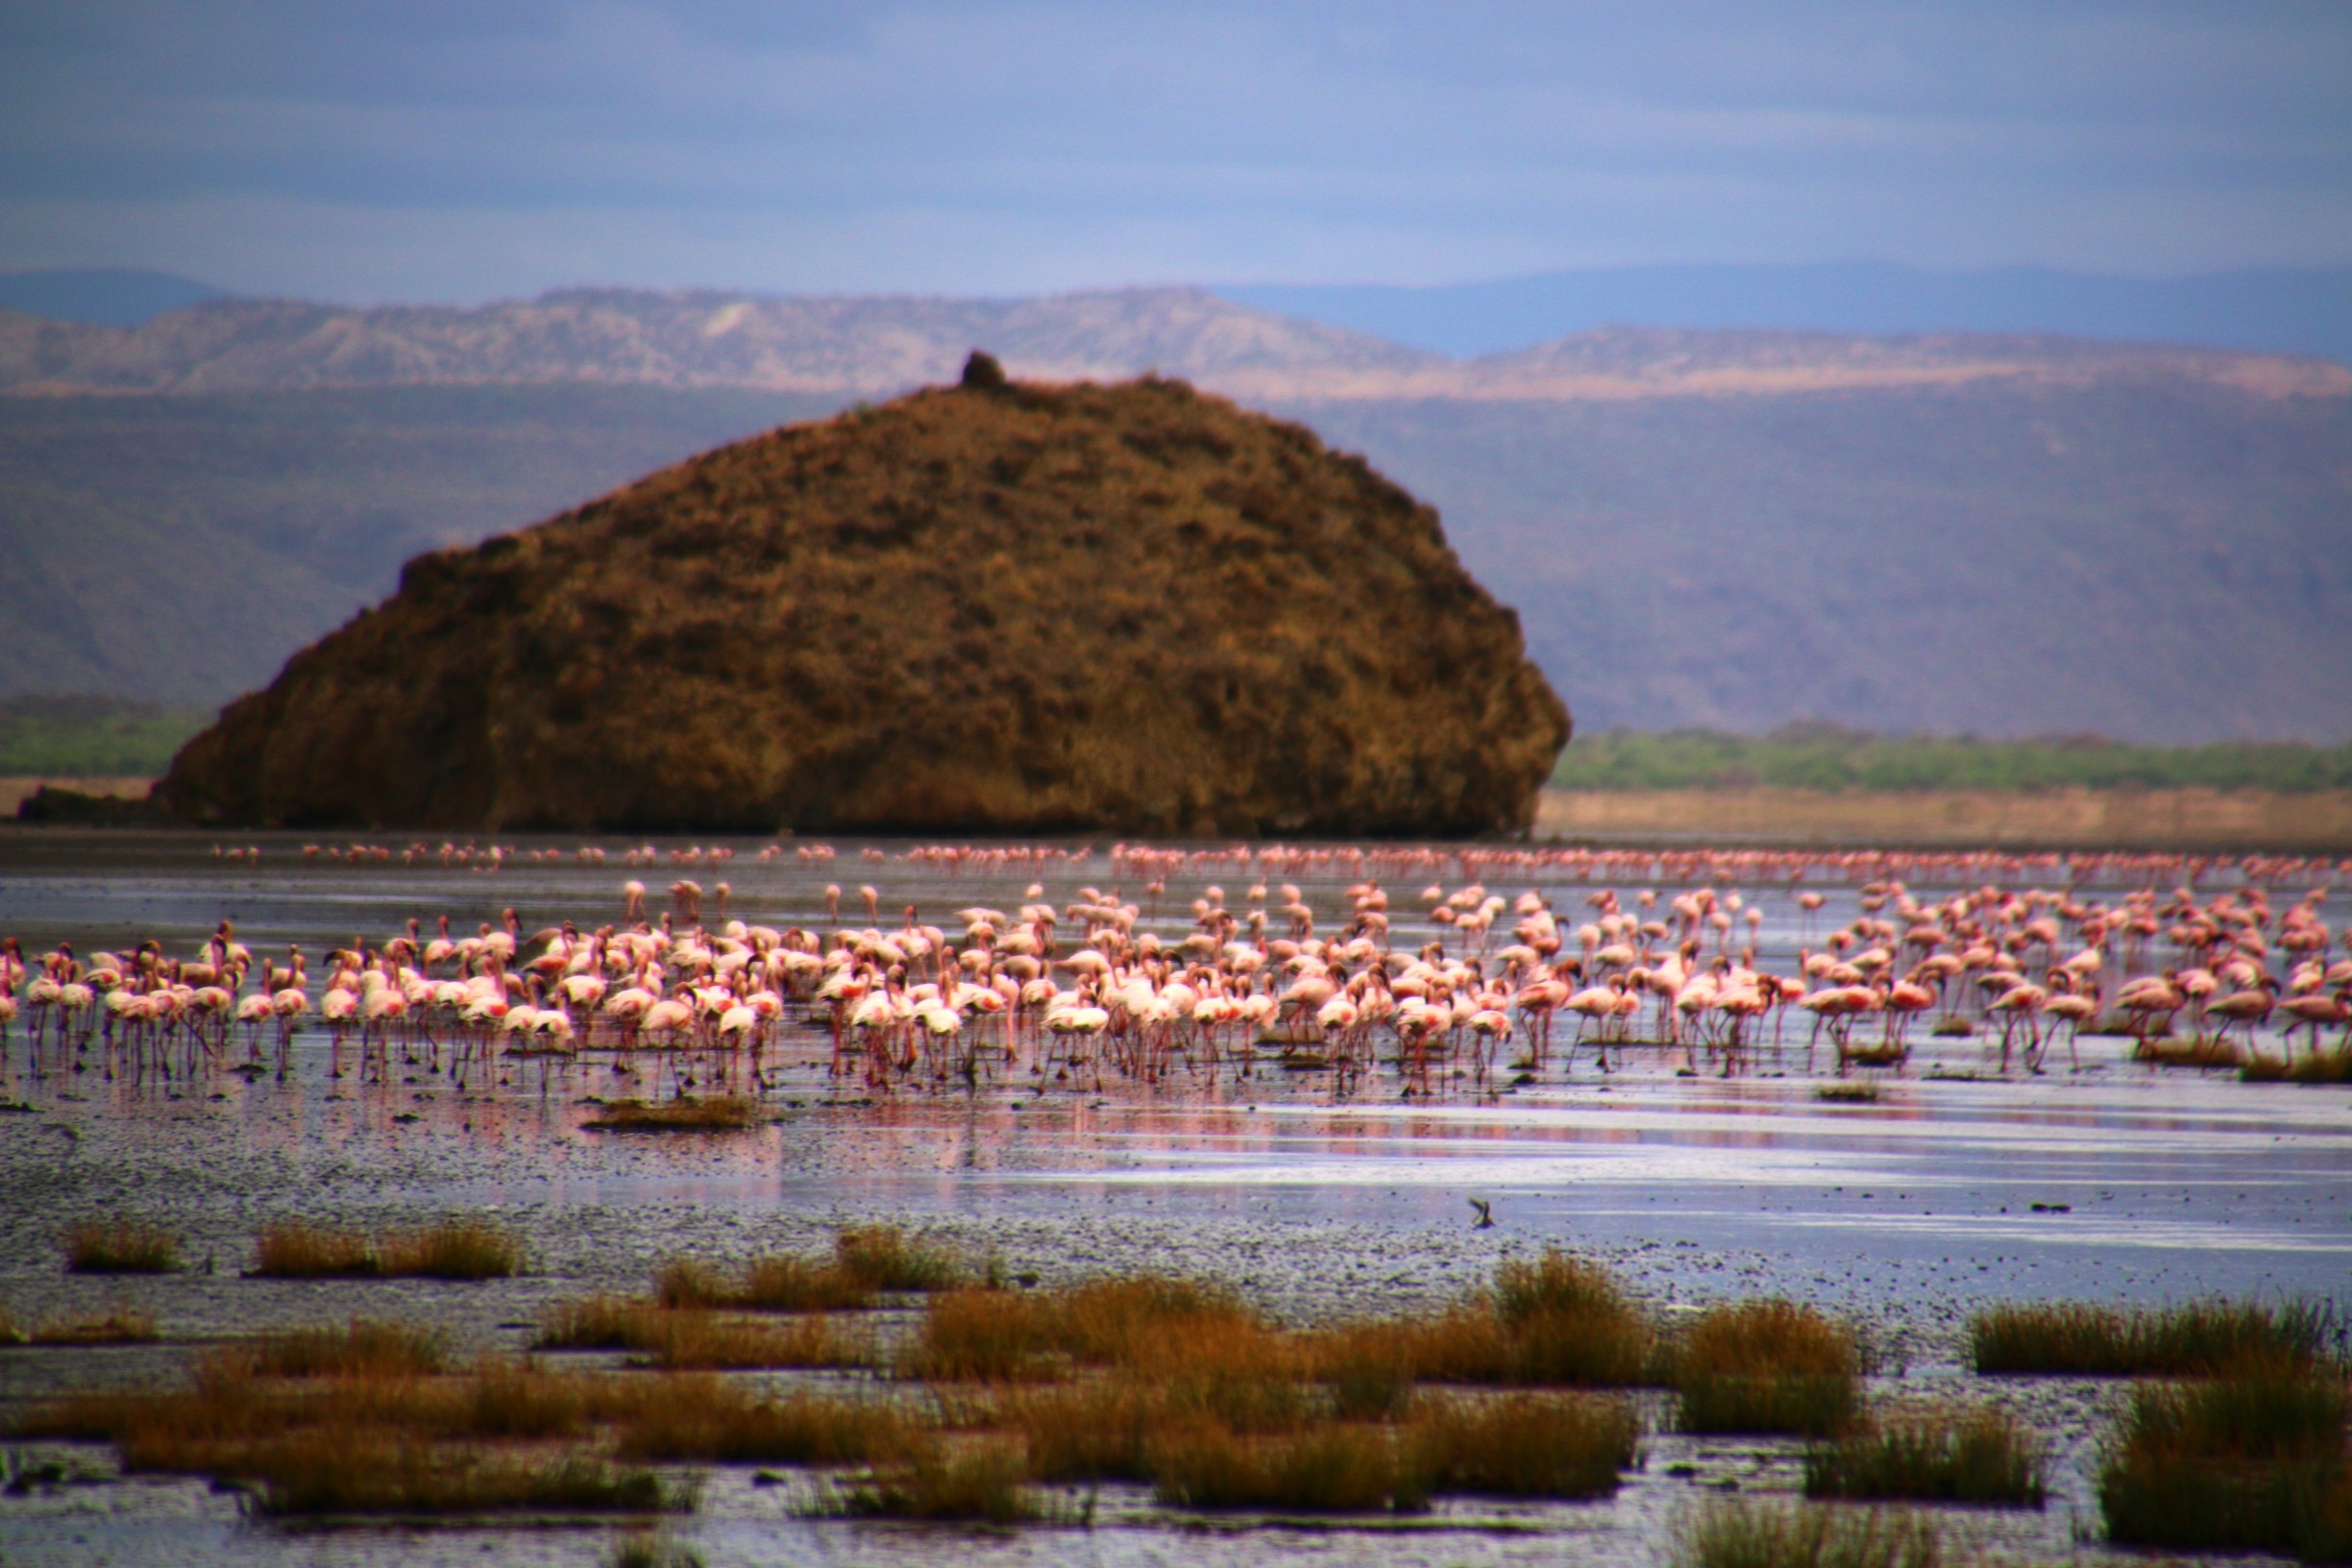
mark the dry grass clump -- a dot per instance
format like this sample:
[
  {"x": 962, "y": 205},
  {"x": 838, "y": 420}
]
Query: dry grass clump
[
  {"x": 2254, "y": 1461},
  {"x": 1169, "y": 1329},
  {"x": 768, "y": 1285},
  {"x": 1525, "y": 1445},
  {"x": 458, "y": 1249},
  {"x": 1765, "y": 1366},
  {"x": 9, "y": 1332},
  {"x": 882, "y": 1258},
  {"x": 120, "y": 1246},
  {"x": 1984, "y": 1457},
  {"x": 599, "y": 1323},
  {"x": 1325, "y": 1469},
  {"x": 1852, "y": 1092},
  {"x": 709, "y": 1341},
  {"x": 982, "y": 1482},
  {"x": 1743, "y": 1534},
  {"x": 2319, "y": 1067},
  {"x": 359, "y": 1473},
  {"x": 1560, "y": 1321},
  {"x": 297, "y": 1251},
  {"x": 2199, "y": 1051},
  {"x": 715, "y": 1422},
  {"x": 2196, "y": 1339},
  {"x": 1094, "y": 1431},
  {"x": 981, "y": 1335},
  {"x": 648, "y": 1549},
  {"x": 364, "y": 1347},
  {"x": 121, "y": 1326},
  {"x": 694, "y": 1338},
  {"x": 721, "y": 1113}
]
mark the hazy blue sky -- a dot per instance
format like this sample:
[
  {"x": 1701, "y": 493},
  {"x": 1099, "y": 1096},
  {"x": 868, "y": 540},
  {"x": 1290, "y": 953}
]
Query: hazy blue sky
[{"x": 458, "y": 149}]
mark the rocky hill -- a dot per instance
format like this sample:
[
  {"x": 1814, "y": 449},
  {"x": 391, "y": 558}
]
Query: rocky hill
[{"x": 999, "y": 607}]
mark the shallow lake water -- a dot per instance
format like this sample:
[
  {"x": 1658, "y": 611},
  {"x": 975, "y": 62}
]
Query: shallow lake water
[{"x": 1314, "y": 1203}]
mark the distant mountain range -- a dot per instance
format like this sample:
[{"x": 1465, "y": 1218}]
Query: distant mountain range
[
  {"x": 881, "y": 345},
  {"x": 2306, "y": 311},
  {"x": 2007, "y": 533}
]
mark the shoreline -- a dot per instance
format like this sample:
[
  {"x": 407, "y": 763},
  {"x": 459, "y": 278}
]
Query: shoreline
[{"x": 2183, "y": 819}]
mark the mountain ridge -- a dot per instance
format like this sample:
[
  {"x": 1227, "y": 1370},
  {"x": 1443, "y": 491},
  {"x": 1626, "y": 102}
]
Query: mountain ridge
[{"x": 882, "y": 345}]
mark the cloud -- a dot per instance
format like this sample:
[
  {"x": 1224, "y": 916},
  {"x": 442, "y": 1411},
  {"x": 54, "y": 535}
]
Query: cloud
[{"x": 461, "y": 151}]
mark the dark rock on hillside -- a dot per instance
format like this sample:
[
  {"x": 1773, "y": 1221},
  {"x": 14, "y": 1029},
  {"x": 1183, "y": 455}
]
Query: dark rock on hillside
[{"x": 1009, "y": 608}]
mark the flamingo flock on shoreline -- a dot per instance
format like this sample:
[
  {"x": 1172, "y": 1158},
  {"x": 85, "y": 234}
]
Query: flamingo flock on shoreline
[{"x": 1069, "y": 993}]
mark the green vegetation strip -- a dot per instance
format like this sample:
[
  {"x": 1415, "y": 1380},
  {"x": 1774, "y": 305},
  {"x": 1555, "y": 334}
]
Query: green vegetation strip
[
  {"x": 92, "y": 737},
  {"x": 1819, "y": 756}
]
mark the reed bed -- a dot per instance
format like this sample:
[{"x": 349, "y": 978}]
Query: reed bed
[
  {"x": 720, "y": 1113},
  {"x": 121, "y": 1246},
  {"x": 458, "y": 1249},
  {"x": 2195, "y": 1339},
  {"x": 1762, "y": 1367},
  {"x": 1730, "y": 1534},
  {"x": 1985, "y": 1458},
  {"x": 2252, "y": 1462},
  {"x": 121, "y": 1326}
]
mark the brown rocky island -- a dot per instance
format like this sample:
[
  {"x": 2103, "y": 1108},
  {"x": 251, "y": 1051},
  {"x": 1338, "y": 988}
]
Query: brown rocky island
[{"x": 994, "y": 608}]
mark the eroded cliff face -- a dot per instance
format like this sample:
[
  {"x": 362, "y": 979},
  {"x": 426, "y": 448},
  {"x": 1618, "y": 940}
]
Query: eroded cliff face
[{"x": 995, "y": 608}]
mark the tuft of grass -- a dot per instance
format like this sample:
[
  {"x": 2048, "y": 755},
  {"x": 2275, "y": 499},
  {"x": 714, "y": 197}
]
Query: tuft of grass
[
  {"x": 795, "y": 1284},
  {"x": 2199, "y": 1051},
  {"x": 721, "y": 1114},
  {"x": 2195, "y": 1339},
  {"x": 644, "y": 1548},
  {"x": 1984, "y": 1457},
  {"x": 2319, "y": 1067},
  {"x": 693, "y": 1340},
  {"x": 707, "y": 1420},
  {"x": 1525, "y": 1445},
  {"x": 1088, "y": 1431},
  {"x": 1765, "y": 1366},
  {"x": 983, "y": 1482},
  {"x": 456, "y": 1249},
  {"x": 1324, "y": 1469},
  {"x": 297, "y": 1251},
  {"x": 120, "y": 1246},
  {"x": 600, "y": 1323},
  {"x": 364, "y": 1347},
  {"x": 121, "y": 1326},
  {"x": 9, "y": 1332},
  {"x": 981, "y": 1335},
  {"x": 1569, "y": 1323},
  {"x": 1742, "y": 1535},
  {"x": 770, "y": 1285},
  {"x": 2252, "y": 1462},
  {"x": 882, "y": 1258},
  {"x": 1854, "y": 1091},
  {"x": 361, "y": 1474}
]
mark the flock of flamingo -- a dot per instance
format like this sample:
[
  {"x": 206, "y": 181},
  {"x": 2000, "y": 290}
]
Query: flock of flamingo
[{"x": 1442, "y": 983}]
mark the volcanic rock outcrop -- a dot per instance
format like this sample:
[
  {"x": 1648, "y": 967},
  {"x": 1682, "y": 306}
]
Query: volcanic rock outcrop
[{"x": 999, "y": 607}]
